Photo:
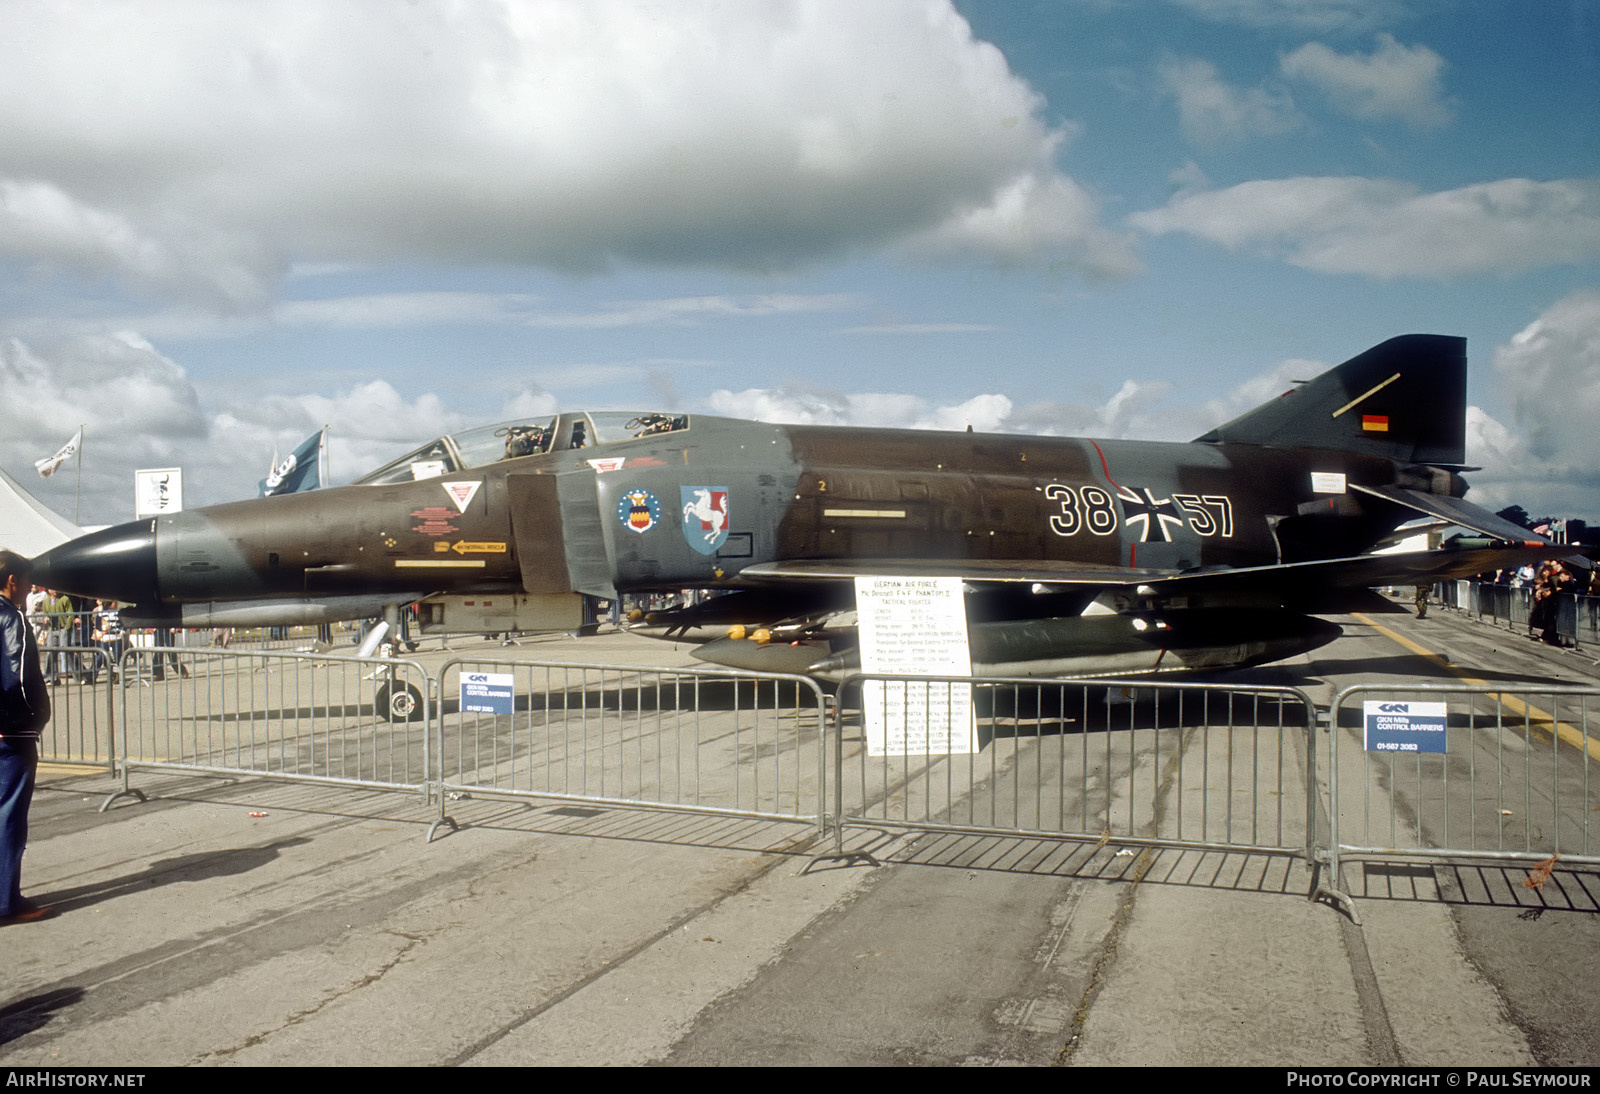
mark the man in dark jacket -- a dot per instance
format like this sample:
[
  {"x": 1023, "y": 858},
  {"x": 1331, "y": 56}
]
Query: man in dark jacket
[{"x": 24, "y": 710}]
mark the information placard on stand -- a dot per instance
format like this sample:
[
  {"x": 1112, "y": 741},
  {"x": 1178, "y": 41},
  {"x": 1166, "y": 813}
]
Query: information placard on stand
[{"x": 915, "y": 626}]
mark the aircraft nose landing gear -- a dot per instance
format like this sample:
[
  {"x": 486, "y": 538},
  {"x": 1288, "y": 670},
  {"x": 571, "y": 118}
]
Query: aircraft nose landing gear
[{"x": 398, "y": 701}]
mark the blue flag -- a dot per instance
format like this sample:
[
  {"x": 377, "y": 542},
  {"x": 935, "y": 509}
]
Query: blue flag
[{"x": 300, "y": 471}]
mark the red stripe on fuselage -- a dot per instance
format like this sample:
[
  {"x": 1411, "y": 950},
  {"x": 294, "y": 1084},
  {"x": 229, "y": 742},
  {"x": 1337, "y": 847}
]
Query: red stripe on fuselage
[{"x": 1133, "y": 548}]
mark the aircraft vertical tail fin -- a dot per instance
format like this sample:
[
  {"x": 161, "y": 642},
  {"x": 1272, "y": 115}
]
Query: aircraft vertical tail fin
[{"x": 1404, "y": 399}]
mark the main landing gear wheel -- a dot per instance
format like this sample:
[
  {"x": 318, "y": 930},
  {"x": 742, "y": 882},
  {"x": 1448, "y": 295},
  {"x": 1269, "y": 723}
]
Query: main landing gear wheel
[{"x": 400, "y": 702}]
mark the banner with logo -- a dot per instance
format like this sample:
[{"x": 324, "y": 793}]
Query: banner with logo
[
  {"x": 300, "y": 470},
  {"x": 157, "y": 490}
]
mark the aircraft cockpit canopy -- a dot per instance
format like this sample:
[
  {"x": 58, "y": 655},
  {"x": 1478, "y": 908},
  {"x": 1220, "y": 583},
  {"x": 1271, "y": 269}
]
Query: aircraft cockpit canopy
[{"x": 489, "y": 444}]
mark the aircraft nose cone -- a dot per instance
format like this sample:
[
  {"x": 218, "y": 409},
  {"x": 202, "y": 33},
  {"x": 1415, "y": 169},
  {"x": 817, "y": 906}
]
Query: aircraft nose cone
[{"x": 112, "y": 564}]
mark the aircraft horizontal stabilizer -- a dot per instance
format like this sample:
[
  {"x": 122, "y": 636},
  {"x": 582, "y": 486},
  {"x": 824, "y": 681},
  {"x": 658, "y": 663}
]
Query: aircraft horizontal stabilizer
[
  {"x": 1301, "y": 582},
  {"x": 1455, "y": 511}
]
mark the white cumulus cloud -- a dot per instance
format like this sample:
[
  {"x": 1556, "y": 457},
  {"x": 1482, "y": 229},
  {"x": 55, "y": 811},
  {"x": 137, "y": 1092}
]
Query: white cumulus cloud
[
  {"x": 1385, "y": 228},
  {"x": 1212, "y": 112},
  {"x": 1036, "y": 214},
  {"x": 139, "y": 409},
  {"x": 798, "y": 403},
  {"x": 1316, "y": 16},
  {"x": 1552, "y": 368},
  {"x": 198, "y": 152},
  {"x": 118, "y": 385},
  {"x": 1135, "y": 410},
  {"x": 1394, "y": 81}
]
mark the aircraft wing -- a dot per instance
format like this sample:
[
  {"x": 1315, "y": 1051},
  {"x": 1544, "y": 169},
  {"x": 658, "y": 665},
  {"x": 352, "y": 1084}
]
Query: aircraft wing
[
  {"x": 975, "y": 570},
  {"x": 1290, "y": 583}
]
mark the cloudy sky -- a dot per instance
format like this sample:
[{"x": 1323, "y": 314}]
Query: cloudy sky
[{"x": 226, "y": 224}]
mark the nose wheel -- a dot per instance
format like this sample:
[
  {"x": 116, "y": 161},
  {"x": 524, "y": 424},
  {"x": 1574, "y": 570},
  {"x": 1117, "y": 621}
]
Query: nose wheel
[{"x": 399, "y": 702}]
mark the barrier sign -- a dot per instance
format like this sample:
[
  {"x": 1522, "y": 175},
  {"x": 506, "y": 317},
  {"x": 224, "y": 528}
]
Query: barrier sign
[
  {"x": 1403, "y": 727},
  {"x": 486, "y": 693}
]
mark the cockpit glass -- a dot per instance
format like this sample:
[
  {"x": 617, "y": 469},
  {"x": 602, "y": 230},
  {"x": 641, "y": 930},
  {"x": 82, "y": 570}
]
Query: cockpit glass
[
  {"x": 530, "y": 437},
  {"x": 508, "y": 440},
  {"x": 625, "y": 425},
  {"x": 430, "y": 461},
  {"x": 469, "y": 448}
]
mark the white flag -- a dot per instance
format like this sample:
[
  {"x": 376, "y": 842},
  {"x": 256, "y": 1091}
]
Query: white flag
[{"x": 68, "y": 450}]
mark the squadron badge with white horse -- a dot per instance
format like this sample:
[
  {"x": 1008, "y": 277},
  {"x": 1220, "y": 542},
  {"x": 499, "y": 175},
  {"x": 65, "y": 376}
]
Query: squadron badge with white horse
[{"x": 705, "y": 517}]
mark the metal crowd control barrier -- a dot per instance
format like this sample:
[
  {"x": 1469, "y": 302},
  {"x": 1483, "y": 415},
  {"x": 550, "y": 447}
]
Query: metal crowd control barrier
[
  {"x": 1513, "y": 781},
  {"x": 305, "y": 717},
  {"x": 1453, "y": 594},
  {"x": 1497, "y": 603},
  {"x": 691, "y": 740},
  {"x": 63, "y": 631},
  {"x": 1154, "y": 764},
  {"x": 82, "y": 705},
  {"x": 1586, "y": 624},
  {"x": 1577, "y": 617}
]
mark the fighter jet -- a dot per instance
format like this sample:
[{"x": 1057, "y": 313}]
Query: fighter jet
[{"x": 1076, "y": 556}]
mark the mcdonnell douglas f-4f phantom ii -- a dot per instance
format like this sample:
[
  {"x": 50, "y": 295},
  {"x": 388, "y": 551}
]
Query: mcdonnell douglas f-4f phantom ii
[{"x": 1079, "y": 556}]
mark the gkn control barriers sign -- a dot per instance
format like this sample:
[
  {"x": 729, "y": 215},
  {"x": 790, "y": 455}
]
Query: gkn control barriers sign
[
  {"x": 486, "y": 693},
  {"x": 1403, "y": 727}
]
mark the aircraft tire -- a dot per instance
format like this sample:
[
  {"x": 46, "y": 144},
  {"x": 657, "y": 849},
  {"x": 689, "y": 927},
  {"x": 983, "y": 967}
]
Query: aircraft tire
[{"x": 399, "y": 702}]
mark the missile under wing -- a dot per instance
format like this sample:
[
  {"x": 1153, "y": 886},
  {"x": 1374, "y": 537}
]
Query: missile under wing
[{"x": 1077, "y": 555}]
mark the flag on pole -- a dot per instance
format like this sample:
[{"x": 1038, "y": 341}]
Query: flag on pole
[
  {"x": 301, "y": 470},
  {"x": 47, "y": 467}
]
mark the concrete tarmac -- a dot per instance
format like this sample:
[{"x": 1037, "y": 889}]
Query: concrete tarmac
[{"x": 275, "y": 923}]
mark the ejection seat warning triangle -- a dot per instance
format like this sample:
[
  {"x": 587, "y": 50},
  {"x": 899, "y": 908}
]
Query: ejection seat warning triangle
[
  {"x": 461, "y": 493},
  {"x": 915, "y": 626}
]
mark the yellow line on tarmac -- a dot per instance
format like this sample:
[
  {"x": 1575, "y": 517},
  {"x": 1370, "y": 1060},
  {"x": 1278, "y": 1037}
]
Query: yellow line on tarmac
[
  {"x": 49, "y": 767},
  {"x": 1536, "y": 718}
]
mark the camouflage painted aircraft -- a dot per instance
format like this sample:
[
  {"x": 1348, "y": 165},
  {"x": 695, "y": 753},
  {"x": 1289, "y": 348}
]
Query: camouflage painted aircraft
[{"x": 1078, "y": 556}]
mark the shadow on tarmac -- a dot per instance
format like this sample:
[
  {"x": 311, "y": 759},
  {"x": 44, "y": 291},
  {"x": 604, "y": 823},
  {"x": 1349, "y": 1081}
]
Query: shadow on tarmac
[
  {"x": 35, "y": 1012},
  {"x": 166, "y": 871},
  {"x": 1567, "y": 889}
]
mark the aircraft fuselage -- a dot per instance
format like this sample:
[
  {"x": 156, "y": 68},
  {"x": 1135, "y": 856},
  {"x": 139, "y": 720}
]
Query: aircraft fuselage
[
  {"x": 1077, "y": 555},
  {"x": 697, "y": 507}
]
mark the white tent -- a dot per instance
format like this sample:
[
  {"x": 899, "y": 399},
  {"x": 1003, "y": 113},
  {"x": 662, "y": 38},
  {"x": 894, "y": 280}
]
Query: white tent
[{"x": 27, "y": 525}]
